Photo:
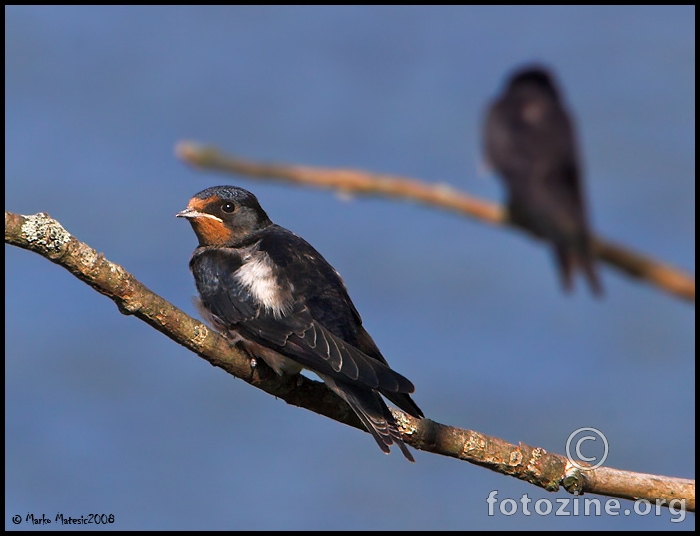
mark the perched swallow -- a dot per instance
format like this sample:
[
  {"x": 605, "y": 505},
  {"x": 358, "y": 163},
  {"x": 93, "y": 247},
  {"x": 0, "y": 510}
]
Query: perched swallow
[
  {"x": 265, "y": 287},
  {"x": 529, "y": 139}
]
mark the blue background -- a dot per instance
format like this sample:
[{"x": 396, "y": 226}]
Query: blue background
[{"x": 105, "y": 415}]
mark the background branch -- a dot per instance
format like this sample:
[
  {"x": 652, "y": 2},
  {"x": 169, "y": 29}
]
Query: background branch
[
  {"x": 45, "y": 236},
  {"x": 442, "y": 196}
]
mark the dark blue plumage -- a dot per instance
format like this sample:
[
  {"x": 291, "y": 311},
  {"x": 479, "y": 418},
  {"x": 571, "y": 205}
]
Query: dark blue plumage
[
  {"x": 529, "y": 139},
  {"x": 269, "y": 289}
]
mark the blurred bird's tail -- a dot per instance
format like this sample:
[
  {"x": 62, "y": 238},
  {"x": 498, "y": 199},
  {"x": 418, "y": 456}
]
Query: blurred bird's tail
[
  {"x": 589, "y": 267},
  {"x": 570, "y": 259}
]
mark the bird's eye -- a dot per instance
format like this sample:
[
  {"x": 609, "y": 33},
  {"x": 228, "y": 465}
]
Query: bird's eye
[{"x": 228, "y": 207}]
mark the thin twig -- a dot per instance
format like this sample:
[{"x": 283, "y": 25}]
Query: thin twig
[
  {"x": 46, "y": 236},
  {"x": 442, "y": 196}
]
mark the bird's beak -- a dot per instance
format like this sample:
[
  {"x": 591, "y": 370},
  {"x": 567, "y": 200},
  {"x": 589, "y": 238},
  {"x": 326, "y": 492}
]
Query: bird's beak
[
  {"x": 188, "y": 213},
  {"x": 192, "y": 214}
]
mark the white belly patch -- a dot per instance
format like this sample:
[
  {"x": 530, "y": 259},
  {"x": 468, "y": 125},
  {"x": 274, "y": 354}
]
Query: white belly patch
[{"x": 258, "y": 276}]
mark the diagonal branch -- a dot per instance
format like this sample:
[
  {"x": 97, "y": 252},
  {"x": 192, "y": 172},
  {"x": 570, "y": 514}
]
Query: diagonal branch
[
  {"x": 441, "y": 196},
  {"x": 46, "y": 236}
]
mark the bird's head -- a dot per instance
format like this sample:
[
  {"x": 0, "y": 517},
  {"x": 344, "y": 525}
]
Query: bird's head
[
  {"x": 533, "y": 78},
  {"x": 224, "y": 216}
]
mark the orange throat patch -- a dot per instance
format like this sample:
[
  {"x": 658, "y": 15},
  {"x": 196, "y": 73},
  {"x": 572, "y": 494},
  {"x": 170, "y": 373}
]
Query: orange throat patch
[{"x": 210, "y": 232}]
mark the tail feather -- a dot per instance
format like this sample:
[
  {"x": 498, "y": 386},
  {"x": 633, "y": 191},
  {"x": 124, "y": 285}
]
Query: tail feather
[
  {"x": 565, "y": 261},
  {"x": 373, "y": 412},
  {"x": 587, "y": 263},
  {"x": 569, "y": 259}
]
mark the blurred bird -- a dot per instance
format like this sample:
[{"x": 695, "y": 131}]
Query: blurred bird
[
  {"x": 265, "y": 287},
  {"x": 529, "y": 139}
]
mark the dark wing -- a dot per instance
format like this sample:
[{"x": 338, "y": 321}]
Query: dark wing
[
  {"x": 366, "y": 344},
  {"x": 306, "y": 341}
]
